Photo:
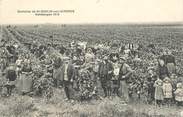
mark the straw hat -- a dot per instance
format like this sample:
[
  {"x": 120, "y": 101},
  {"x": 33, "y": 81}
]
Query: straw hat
[
  {"x": 122, "y": 58},
  {"x": 66, "y": 58},
  {"x": 105, "y": 56},
  {"x": 89, "y": 50},
  {"x": 167, "y": 79},
  {"x": 179, "y": 85}
]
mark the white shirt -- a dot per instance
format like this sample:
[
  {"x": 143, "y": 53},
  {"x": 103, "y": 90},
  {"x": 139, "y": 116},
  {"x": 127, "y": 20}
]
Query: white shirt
[{"x": 65, "y": 73}]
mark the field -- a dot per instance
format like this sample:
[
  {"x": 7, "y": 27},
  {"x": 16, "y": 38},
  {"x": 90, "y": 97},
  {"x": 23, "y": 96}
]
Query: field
[{"x": 163, "y": 36}]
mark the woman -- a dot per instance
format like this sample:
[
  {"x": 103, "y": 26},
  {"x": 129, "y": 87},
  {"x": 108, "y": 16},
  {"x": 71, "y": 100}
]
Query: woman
[
  {"x": 25, "y": 83},
  {"x": 57, "y": 72},
  {"x": 124, "y": 74},
  {"x": 162, "y": 69},
  {"x": 170, "y": 62}
]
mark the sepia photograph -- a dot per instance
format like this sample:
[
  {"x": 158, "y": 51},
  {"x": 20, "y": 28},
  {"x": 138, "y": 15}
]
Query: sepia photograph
[{"x": 100, "y": 58}]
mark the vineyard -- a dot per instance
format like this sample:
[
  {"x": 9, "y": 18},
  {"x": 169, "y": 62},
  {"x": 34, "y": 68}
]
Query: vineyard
[{"x": 162, "y": 36}]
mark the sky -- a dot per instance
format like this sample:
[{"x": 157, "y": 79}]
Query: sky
[{"x": 93, "y": 11}]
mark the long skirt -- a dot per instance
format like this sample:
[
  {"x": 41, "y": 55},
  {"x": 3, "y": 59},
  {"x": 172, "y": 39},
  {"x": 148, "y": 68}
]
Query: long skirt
[
  {"x": 124, "y": 90},
  {"x": 171, "y": 68},
  {"x": 159, "y": 93}
]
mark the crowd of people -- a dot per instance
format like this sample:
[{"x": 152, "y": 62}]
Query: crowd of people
[{"x": 119, "y": 69}]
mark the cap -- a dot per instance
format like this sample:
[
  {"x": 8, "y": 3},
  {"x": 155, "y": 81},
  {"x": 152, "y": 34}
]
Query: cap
[
  {"x": 122, "y": 58},
  {"x": 66, "y": 58}
]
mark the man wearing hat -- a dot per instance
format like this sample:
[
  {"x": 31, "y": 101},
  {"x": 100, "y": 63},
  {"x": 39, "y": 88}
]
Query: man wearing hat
[
  {"x": 67, "y": 76},
  {"x": 125, "y": 72},
  {"x": 114, "y": 56},
  {"x": 3, "y": 59},
  {"x": 89, "y": 56},
  {"x": 57, "y": 63},
  {"x": 105, "y": 75}
]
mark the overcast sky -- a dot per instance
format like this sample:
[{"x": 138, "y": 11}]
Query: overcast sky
[{"x": 93, "y": 11}]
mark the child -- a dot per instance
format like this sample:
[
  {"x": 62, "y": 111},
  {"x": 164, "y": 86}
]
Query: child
[
  {"x": 174, "y": 81},
  {"x": 167, "y": 91},
  {"x": 11, "y": 76},
  {"x": 151, "y": 78},
  {"x": 115, "y": 79},
  {"x": 179, "y": 94},
  {"x": 158, "y": 91}
]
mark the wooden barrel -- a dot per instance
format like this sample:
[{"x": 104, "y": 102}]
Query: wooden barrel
[
  {"x": 27, "y": 85},
  {"x": 24, "y": 84}
]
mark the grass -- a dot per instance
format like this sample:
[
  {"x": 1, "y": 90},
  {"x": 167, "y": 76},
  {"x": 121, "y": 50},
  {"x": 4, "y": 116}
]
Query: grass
[
  {"x": 17, "y": 106},
  {"x": 21, "y": 106}
]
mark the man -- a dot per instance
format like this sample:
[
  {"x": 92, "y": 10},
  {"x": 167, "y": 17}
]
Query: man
[
  {"x": 115, "y": 78},
  {"x": 114, "y": 58},
  {"x": 105, "y": 75},
  {"x": 57, "y": 72},
  {"x": 89, "y": 56},
  {"x": 125, "y": 72},
  {"x": 67, "y": 76},
  {"x": 4, "y": 55}
]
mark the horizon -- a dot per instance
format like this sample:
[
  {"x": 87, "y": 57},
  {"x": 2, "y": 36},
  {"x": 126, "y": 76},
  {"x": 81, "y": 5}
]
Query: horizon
[{"x": 129, "y": 23}]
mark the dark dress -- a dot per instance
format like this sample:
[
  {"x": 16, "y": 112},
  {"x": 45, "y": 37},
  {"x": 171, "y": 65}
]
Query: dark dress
[
  {"x": 170, "y": 63},
  {"x": 105, "y": 78},
  {"x": 163, "y": 72}
]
